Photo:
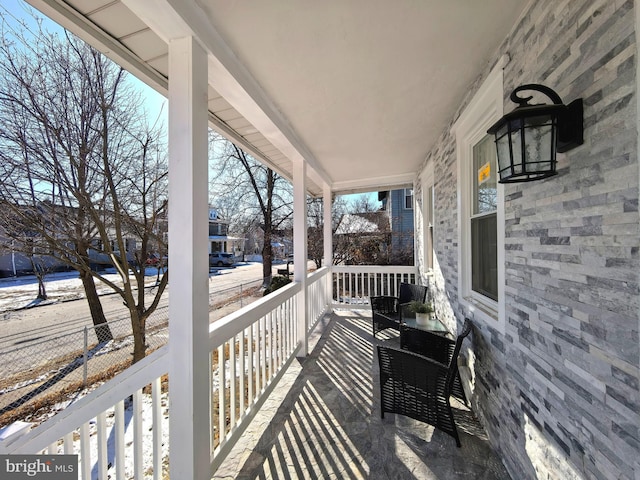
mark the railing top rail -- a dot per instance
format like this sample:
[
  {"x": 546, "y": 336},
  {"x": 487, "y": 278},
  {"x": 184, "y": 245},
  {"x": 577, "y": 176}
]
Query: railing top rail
[
  {"x": 235, "y": 322},
  {"x": 313, "y": 276},
  {"x": 374, "y": 269},
  {"x": 105, "y": 396}
]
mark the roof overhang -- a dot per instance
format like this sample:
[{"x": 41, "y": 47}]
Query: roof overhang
[{"x": 360, "y": 90}]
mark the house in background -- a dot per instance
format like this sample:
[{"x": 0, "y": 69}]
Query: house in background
[
  {"x": 34, "y": 252},
  {"x": 281, "y": 244},
  {"x": 362, "y": 239},
  {"x": 399, "y": 207},
  {"x": 219, "y": 239}
]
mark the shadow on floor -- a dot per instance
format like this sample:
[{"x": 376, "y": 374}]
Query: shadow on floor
[{"x": 328, "y": 424}]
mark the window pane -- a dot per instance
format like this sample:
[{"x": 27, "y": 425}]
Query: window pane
[
  {"x": 408, "y": 198},
  {"x": 484, "y": 176},
  {"x": 484, "y": 256}
]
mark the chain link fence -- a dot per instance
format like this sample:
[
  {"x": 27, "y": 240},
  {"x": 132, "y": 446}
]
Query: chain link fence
[{"x": 47, "y": 374}]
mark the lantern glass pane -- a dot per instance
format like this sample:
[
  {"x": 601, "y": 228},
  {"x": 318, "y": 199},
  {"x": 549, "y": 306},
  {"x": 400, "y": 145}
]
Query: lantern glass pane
[
  {"x": 516, "y": 145},
  {"x": 540, "y": 141},
  {"x": 504, "y": 155}
]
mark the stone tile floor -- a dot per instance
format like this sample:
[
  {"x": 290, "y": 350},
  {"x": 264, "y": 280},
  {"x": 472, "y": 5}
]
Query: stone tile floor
[{"x": 323, "y": 422}]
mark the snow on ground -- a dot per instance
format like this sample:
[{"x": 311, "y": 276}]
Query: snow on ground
[
  {"x": 147, "y": 439},
  {"x": 22, "y": 292}
]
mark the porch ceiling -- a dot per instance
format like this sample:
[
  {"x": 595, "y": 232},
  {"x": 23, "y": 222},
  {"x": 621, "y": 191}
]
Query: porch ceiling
[{"x": 360, "y": 89}]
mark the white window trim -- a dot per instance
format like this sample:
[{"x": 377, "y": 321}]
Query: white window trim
[
  {"x": 426, "y": 204},
  {"x": 485, "y": 108}
]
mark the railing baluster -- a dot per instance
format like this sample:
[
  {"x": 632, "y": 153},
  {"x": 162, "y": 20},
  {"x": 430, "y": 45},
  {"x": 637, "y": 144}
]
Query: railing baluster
[
  {"x": 119, "y": 443},
  {"x": 101, "y": 437},
  {"x": 138, "y": 458},
  {"x": 250, "y": 364},
  {"x": 214, "y": 401},
  {"x": 241, "y": 367},
  {"x": 232, "y": 382},
  {"x": 222, "y": 407},
  {"x": 263, "y": 331},
  {"x": 258, "y": 355},
  {"x": 287, "y": 326},
  {"x": 85, "y": 451},
  {"x": 156, "y": 399},
  {"x": 274, "y": 341},
  {"x": 68, "y": 443},
  {"x": 281, "y": 349},
  {"x": 269, "y": 322}
]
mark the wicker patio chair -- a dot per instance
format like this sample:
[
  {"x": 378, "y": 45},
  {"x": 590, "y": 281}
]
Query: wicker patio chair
[
  {"x": 419, "y": 387},
  {"x": 435, "y": 346},
  {"x": 387, "y": 310}
]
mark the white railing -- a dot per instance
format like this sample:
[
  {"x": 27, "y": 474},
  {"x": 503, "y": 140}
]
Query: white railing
[
  {"x": 249, "y": 352},
  {"x": 318, "y": 296},
  {"x": 354, "y": 285},
  {"x": 255, "y": 345},
  {"x": 113, "y": 436}
]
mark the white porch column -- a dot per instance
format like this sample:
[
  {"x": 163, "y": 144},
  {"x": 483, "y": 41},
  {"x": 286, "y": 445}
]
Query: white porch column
[
  {"x": 188, "y": 223},
  {"x": 326, "y": 216},
  {"x": 327, "y": 203},
  {"x": 300, "y": 248}
]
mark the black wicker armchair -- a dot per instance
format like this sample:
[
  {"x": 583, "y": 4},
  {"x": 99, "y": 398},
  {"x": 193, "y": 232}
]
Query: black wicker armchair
[
  {"x": 387, "y": 310},
  {"x": 435, "y": 346},
  {"x": 419, "y": 387}
]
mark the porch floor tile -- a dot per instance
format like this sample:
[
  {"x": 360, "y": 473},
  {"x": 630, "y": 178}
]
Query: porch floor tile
[{"x": 323, "y": 422}]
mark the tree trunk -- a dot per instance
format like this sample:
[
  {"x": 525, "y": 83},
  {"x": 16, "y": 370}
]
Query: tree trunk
[
  {"x": 267, "y": 258},
  {"x": 38, "y": 271},
  {"x": 138, "y": 322},
  {"x": 42, "y": 291},
  {"x": 103, "y": 332}
]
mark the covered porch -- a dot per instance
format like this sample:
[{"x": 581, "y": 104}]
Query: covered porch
[
  {"x": 272, "y": 414},
  {"x": 344, "y": 97}
]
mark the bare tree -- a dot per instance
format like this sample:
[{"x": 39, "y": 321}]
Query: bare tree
[
  {"x": 80, "y": 168},
  {"x": 260, "y": 195},
  {"x": 315, "y": 234},
  {"x": 359, "y": 229}
]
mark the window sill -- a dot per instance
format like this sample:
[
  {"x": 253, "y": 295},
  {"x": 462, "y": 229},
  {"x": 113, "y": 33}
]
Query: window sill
[{"x": 486, "y": 310}]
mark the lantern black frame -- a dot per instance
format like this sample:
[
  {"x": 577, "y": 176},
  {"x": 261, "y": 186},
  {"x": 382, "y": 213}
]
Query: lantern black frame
[{"x": 562, "y": 124}]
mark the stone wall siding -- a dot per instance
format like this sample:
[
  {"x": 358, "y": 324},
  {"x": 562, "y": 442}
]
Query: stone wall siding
[{"x": 559, "y": 390}]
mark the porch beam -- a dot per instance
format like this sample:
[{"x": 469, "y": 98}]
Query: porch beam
[
  {"x": 189, "y": 375},
  {"x": 228, "y": 75},
  {"x": 300, "y": 249}
]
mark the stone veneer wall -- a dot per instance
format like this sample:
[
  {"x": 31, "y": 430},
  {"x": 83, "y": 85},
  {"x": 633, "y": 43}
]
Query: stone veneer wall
[{"x": 559, "y": 391}]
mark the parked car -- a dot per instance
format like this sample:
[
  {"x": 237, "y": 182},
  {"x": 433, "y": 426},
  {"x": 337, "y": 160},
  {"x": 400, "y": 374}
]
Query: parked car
[
  {"x": 153, "y": 260},
  {"x": 220, "y": 259}
]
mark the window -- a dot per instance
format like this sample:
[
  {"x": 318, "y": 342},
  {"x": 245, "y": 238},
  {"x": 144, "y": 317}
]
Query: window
[
  {"x": 481, "y": 214},
  {"x": 408, "y": 198},
  {"x": 484, "y": 260}
]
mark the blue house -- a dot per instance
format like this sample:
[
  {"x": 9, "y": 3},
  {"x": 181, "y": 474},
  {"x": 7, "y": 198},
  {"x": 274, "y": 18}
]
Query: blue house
[{"x": 399, "y": 207}]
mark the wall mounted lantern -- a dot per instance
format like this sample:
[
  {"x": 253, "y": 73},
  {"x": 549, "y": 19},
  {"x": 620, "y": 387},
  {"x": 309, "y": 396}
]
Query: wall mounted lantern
[{"x": 528, "y": 138}]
